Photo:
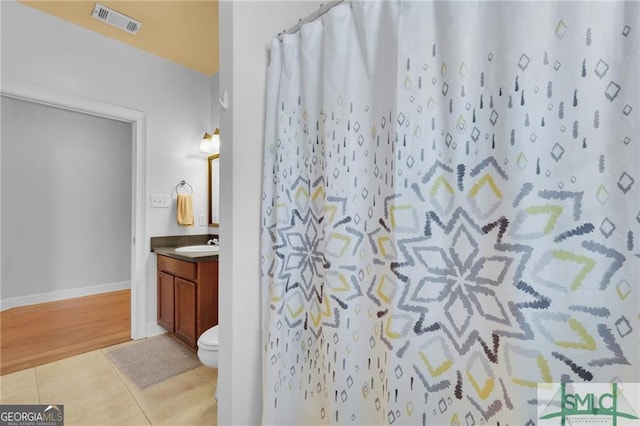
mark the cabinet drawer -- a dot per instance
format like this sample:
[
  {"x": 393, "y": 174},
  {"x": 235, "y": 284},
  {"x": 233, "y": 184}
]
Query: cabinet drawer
[{"x": 177, "y": 267}]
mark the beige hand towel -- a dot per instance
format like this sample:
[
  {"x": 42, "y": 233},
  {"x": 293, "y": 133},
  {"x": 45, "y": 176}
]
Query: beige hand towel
[{"x": 185, "y": 210}]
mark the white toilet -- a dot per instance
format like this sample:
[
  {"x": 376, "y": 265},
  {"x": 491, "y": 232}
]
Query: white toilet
[{"x": 208, "y": 347}]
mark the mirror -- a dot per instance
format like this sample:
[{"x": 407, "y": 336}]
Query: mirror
[{"x": 214, "y": 189}]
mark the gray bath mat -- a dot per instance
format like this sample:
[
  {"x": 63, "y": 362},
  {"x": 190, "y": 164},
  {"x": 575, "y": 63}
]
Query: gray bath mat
[{"x": 150, "y": 361}]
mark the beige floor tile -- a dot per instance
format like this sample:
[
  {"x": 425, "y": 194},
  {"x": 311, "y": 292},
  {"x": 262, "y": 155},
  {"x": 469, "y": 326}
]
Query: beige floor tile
[
  {"x": 137, "y": 420},
  {"x": 158, "y": 394},
  {"x": 194, "y": 407},
  {"x": 103, "y": 406},
  {"x": 94, "y": 392},
  {"x": 20, "y": 387},
  {"x": 88, "y": 387},
  {"x": 75, "y": 378},
  {"x": 209, "y": 374}
]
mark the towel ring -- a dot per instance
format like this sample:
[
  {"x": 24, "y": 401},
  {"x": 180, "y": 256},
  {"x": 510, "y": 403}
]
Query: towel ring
[{"x": 183, "y": 184}]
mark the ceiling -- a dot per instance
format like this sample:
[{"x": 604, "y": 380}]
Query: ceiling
[{"x": 184, "y": 32}]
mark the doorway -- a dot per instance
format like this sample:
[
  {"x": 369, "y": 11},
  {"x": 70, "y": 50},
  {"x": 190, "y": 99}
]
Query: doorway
[{"x": 137, "y": 120}]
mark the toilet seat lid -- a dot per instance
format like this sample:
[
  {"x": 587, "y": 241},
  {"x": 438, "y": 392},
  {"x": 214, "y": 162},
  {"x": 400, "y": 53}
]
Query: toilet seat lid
[{"x": 209, "y": 338}]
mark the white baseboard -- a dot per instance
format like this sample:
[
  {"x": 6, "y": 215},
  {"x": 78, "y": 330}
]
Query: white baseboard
[{"x": 52, "y": 296}]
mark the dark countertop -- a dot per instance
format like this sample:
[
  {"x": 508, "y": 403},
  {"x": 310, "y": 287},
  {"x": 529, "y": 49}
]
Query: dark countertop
[
  {"x": 167, "y": 245},
  {"x": 189, "y": 257}
]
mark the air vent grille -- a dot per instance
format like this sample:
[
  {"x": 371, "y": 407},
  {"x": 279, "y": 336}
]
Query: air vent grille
[{"x": 116, "y": 19}]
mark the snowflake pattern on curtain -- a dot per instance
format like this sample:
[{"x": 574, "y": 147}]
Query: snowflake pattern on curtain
[{"x": 437, "y": 261}]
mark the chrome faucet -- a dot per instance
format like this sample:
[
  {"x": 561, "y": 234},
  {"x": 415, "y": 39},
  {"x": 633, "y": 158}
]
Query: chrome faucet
[{"x": 213, "y": 241}]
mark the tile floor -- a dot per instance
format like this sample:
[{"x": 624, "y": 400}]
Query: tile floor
[{"x": 94, "y": 392}]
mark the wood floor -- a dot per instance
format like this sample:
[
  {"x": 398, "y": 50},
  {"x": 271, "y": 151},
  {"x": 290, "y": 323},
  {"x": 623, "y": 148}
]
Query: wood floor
[{"x": 38, "y": 334}]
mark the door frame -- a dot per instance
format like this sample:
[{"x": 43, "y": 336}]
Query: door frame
[{"x": 138, "y": 121}]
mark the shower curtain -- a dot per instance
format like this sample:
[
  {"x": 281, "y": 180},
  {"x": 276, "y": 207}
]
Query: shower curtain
[{"x": 450, "y": 210}]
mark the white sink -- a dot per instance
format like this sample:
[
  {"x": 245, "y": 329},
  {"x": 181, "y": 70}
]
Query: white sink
[{"x": 198, "y": 249}]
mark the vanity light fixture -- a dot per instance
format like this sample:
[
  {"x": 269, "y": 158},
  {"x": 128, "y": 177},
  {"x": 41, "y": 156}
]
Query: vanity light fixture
[{"x": 210, "y": 143}]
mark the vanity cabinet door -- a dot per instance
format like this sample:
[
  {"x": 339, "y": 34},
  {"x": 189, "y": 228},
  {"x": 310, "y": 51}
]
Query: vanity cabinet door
[
  {"x": 166, "y": 301},
  {"x": 187, "y": 297},
  {"x": 185, "y": 315}
]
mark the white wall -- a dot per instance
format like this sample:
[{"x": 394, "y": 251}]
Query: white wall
[
  {"x": 44, "y": 51},
  {"x": 215, "y": 106},
  {"x": 215, "y": 123},
  {"x": 63, "y": 172},
  {"x": 246, "y": 29}
]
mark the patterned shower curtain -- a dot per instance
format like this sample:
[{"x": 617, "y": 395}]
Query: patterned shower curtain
[{"x": 450, "y": 210}]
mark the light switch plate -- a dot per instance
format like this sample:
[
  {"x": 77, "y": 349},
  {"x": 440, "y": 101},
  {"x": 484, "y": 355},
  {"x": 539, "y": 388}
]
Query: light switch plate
[
  {"x": 160, "y": 201},
  {"x": 203, "y": 220}
]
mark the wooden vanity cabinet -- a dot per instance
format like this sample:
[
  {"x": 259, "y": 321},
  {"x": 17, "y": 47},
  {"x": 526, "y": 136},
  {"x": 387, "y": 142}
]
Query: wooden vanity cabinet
[
  {"x": 165, "y": 300},
  {"x": 187, "y": 297}
]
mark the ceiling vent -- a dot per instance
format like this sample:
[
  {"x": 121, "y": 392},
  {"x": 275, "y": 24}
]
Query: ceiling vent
[{"x": 116, "y": 19}]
